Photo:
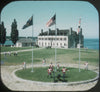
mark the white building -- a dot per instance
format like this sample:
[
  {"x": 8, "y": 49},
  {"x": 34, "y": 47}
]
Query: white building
[
  {"x": 45, "y": 41},
  {"x": 64, "y": 39},
  {"x": 24, "y": 42}
]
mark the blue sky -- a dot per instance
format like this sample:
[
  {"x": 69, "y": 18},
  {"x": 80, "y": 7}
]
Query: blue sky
[{"x": 67, "y": 15}]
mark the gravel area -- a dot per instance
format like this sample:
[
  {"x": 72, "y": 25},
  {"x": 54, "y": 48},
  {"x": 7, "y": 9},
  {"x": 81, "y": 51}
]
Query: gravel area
[{"x": 15, "y": 84}]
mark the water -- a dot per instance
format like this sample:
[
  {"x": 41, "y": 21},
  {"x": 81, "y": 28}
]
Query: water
[{"x": 91, "y": 43}]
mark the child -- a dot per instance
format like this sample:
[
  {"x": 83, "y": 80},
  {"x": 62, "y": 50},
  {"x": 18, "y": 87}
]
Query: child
[
  {"x": 24, "y": 65},
  {"x": 64, "y": 71},
  {"x": 51, "y": 66},
  {"x": 49, "y": 71},
  {"x": 57, "y": 67},
  {"x": 43, "y": 62},
  {"x": 86, "y": 65}
]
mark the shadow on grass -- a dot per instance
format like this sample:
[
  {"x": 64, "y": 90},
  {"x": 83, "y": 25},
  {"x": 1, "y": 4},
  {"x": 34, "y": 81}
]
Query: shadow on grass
[{"x": 59, "y": 78}]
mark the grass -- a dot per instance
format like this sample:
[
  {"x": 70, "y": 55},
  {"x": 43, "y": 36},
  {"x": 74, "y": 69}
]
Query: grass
[
  {"x": 40, "y": 74},
  {"x": 63, "y": 56},
  {"x": 88, "y": 59}
]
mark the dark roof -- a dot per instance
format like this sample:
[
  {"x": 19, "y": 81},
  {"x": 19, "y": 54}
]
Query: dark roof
[
  {"x": 59, "y": 32},
  {"x": 25, "y": 40}
]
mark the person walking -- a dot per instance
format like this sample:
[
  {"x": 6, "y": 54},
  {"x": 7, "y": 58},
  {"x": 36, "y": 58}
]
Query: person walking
[
  {"x": 86, "y": 66},
  {"x": 44, "y": 61},
  {"x": 51, "y": 66},
  {"x": 24, "y": 65},
  {"x": 5, "y": 53},
  {"x": 9, "y": 53},
  {"x": 49, "y": 72},
  {"x": 58, "y": 67},
  {"x": 16, "y": 53},
  {"x": 64, "y": 72}
]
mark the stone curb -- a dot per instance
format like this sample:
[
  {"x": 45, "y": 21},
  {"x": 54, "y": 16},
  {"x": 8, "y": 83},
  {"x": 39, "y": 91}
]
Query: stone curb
[{"x": 54, "y": 84}]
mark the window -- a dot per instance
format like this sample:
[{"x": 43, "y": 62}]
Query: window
[
  {"x": 64, "y": 44},
  {"x": 64, "y": 38},
  {"x": 51, "y": 38},
  {"x": 39, "y": 38},
  {"x": 60, "y": 38}
]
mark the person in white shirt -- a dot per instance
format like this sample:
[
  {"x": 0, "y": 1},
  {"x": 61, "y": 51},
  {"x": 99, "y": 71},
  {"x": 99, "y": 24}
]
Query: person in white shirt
[
  {"x": 86, "y": 65},
  {"x": 44, "y": 61},
  {"x": 49, "y": 72},
  {"x": 58, "y": 67},
  {"x": 24, "y": 65},
  {"x": 51, "y": 66}
]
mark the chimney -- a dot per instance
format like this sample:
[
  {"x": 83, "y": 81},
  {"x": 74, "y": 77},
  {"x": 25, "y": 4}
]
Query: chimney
[
  {"x": 41, "y": 31},
  {"x": 81, "y": 31},
  {"x": 57, "y": 31},
  {"x": 49, "y": 31},
  {"x": 70, "y": 31}
]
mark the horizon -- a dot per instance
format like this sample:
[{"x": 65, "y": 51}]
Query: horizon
[{"x": 67, "y": 13}]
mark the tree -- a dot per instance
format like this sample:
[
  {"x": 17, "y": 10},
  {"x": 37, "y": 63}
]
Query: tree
[
  {"x": 2, "y": 33},
  {"x": 14, "y": 32}
]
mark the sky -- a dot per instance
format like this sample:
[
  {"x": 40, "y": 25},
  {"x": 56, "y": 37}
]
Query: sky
[{"x": 68, "y": 14}]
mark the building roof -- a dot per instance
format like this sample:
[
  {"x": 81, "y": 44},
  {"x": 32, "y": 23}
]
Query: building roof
[
  {"x": 25, "y": 40},
  {"x": 59, "y": 32}
]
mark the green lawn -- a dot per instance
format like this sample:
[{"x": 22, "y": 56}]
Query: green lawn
[
  {"x": 63, "y": 56},
  {"x": 40, "y": 74}
]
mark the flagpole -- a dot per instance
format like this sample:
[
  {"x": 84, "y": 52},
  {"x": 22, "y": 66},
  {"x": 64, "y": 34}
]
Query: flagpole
[
  {"x": 55, "y": 43},
  {"x": 79, "y": 43},
  {"x": 32, "y": 44},
  {"x": 79, "y": 52}
]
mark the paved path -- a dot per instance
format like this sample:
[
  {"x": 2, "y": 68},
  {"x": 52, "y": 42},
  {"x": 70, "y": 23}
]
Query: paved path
[
  {"x": 22, "y": 50},
  {"x": 14, "y": 83}
]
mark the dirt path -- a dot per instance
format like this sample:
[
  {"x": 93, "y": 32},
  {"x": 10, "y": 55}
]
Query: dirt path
[{"x": 14, "y": 83}]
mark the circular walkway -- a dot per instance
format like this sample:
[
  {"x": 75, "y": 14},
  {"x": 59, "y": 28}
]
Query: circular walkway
[{"x": 12, "y": 82}]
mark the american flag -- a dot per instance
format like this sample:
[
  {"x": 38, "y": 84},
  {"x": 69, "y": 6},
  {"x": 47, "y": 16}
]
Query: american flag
[
  {"x": 52, "y": 21},
  {"x": 79, "y": 25},
  {"x": 80, "y": 21}
]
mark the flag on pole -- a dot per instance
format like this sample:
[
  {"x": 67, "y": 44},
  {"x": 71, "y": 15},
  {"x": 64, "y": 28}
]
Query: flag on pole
[
  {"x": 78, "y": 29},
  {"x": 80, "y": 21},
  {"x": 79, "y": 25},
  {"x": 28, "y": 23},
  {"x": 52, "y": 21}
]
